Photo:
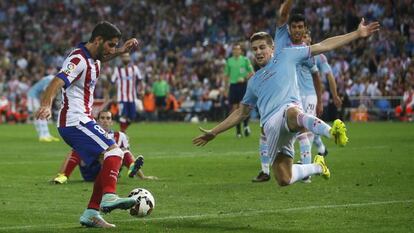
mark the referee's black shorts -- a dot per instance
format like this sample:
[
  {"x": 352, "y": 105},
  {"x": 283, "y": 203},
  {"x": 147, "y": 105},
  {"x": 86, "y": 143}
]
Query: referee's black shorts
[{"x": 236, "y": 92}]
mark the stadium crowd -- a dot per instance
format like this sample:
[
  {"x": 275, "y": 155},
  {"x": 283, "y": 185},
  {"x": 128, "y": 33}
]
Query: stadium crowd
[{"x": 186, "y": 43}]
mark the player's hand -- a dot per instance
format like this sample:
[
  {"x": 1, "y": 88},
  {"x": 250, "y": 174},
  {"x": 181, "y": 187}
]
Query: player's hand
[
  {"x": 204, "y": 138},
  {"x": 129, "y": 45},
  {"x": 44, "y": 113},
  {"x": 337, "y": 101},
  {"x": 319, "y": 109},
  {"x": 367, "y": 30}
]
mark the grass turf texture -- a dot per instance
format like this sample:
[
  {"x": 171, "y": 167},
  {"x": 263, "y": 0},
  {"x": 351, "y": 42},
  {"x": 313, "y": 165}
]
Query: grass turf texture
[{"x": 209, "y": 189}]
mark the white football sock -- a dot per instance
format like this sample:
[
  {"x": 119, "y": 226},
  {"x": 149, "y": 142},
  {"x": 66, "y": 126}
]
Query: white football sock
[
  {"x": 300, "y": 171},
  {"x": 264, "y": 157}
]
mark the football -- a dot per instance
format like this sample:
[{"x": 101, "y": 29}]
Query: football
[{"x": 145, "y": 205}]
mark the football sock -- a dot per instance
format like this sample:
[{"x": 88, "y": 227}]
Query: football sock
[
  {"x": 74, "y": 160},
  {"x": 313, "y": 124},
  {"x": 44, "y": 128},
  {"x": 37, "y": 125},
  {"x": 128, "y": 159},
  {"x": 305, "y": 148},
  {"x": 300, "y": 171},
  {"x": 264, "y": 157},
  {"x": 319, "y": 144},
  {"x": 96, "y": 197},
  {"x": 246, "y": 122},
  {"x": 109, "y": 173},
  {"x": 238, "y": 129}
]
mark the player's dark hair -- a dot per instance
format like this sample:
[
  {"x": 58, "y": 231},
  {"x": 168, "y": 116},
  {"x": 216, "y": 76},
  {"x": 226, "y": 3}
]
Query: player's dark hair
[
  {"x": 262, "y": 36},
  {"x": 100, "y": 112},
  {"x": 106, "y": 30},
  {"x": 296, "y": 18}
]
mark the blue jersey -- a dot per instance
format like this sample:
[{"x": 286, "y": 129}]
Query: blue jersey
[
  {"x": 305, "y": 69},
  {"x": 276, "y": 85},
  {"x": 36, "y": 90}
]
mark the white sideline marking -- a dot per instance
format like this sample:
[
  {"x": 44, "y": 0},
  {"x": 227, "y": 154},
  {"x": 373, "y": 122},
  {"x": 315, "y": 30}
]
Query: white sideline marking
[
  {"x": 166, "y": 155},
  {"x": 229, "y": 215}
]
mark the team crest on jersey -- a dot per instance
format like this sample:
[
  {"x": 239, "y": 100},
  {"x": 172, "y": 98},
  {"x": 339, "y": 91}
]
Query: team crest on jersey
[{"x": 69, "y": 68}]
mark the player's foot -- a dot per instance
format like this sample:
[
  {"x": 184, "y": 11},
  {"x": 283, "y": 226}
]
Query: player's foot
[
  {"x": 247, "y": 131},
  {"x": 60, "y": 179},
  {"x": 338, "y": 132},
  {"x": 239, "y": 135},
  {"x": 92, "y": 218},
  {"x": 45, "y": 139},
  {"x": 320, "y": 160},
  {"x": 134, "y": 168},
  {"x": 307, "y": 180},
  {"x": 54, "y": 139},
  {"x": 325, "y": 153},
  {"x": 111, "y": 201},
  {"x": 262, "y": 177}
]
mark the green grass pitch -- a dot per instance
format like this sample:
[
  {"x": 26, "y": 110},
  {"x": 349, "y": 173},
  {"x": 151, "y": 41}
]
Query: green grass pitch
[{"x": 209, "y": 189}]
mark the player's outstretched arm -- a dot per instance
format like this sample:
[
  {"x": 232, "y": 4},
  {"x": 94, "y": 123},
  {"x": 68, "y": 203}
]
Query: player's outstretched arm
[
  {"x": 44, "y": 112},
  {"x": 235, "y": 117},
  {"x": 284, "y": 12},
  {"x": 338, "y": 41},
  {"x": 126, "y": 48}
]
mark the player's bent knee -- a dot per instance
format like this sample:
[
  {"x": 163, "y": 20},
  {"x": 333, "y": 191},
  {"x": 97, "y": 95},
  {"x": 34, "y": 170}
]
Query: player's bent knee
[{"x": 114, "y": 152}]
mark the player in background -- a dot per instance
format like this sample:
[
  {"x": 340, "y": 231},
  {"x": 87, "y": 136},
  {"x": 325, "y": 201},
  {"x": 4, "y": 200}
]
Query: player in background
[
  {"x": 77, "y": 79},
  {"x": 274, "y": 90},
  {"x": 238, "y": 70},
  {"x": 89, "y": 173},
  {"x": 126, "y": 77},
  {"x": 33, "y": 104},
  {"x": 325, "y": 71}
]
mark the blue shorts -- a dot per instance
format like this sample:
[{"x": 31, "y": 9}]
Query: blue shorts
[
  {"x": 128, "y": 110},
  {"x": 88, "y": 140},
  {"x": 89, "y": 173}
]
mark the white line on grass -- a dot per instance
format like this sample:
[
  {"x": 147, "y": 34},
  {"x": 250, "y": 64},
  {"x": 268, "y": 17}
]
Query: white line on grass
[
  {"x": 224, "y": 215},
  {"x": 192, "y": 154}
]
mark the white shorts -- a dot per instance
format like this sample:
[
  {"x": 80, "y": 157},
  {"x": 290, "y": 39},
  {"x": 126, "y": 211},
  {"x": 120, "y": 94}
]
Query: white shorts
[
  {"x": 279, "y": 138},
  {"x": 309, "y": 104},
  {"x": 33, "y": 104}
]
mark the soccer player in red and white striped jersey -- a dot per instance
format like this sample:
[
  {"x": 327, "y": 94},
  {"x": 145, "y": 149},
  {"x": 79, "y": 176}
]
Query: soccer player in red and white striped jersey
[
  {"x": 126, "y": 77},
  {"x": 77, "y": 79}
]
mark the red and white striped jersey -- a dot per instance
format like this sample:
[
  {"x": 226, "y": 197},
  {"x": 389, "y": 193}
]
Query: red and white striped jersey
[
  {"x": 120, "y": 139},
  {"x": 126, "y": 78},
  {"x": 80, "y": 73}
]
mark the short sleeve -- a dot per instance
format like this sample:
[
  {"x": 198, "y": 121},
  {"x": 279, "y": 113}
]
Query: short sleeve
[
  {"x": 137, "y": 73},
  {"x": 115, "y": 75},
  {"x": 124, "y": 140},
  {"x": 297, "y": 54},
  {"x": 282, "y": 38},
  {"x": 310, "y": 63},
  {"x": 72, "y": 67},
  {"x": 323, "y": 65},
  {"x": 249, "y": 65},
  {"x": 250, "y": 97}
]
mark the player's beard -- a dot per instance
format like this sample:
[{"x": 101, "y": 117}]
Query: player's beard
[{"x": 100, "y": 52}]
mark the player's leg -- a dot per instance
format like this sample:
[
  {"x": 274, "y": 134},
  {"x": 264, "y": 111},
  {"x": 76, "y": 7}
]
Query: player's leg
[
  {"x": 280, "y": 140},
  {"x": 69, "y": 164},
  {"x": 264, "y": 174},
  {"x": 90, "y": 140},
  {"x": 287, "y": 173},
  {"x": 321, "y": 148},
  {"x": 246, "y": 128},
  {"x": 135, "y": 166},
  {"x": 123, "y": 120},
  {"x": 297, "y": 120}
]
